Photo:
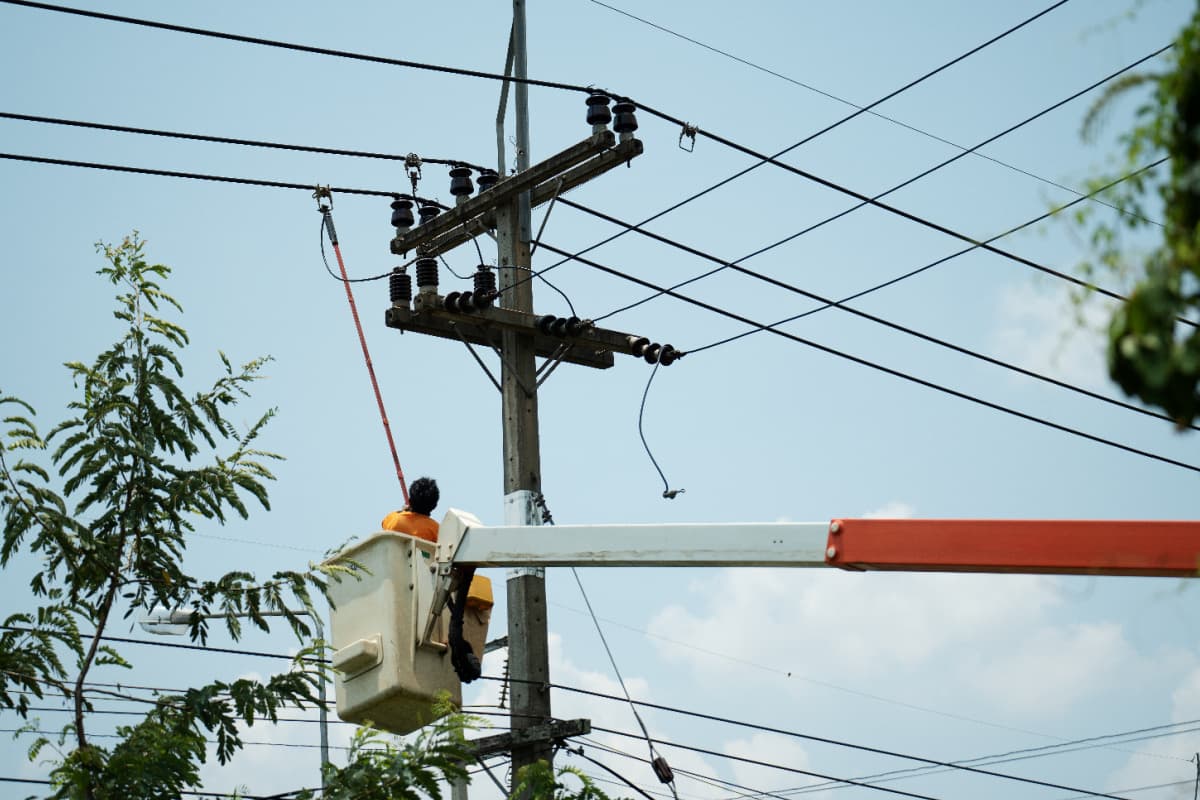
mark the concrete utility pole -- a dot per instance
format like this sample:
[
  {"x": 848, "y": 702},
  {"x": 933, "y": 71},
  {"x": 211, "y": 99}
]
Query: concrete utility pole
[{"x": 529, "y": 657}]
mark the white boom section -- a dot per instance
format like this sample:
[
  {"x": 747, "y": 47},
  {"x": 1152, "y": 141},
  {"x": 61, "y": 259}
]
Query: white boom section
[{"x": 463, "y": 540}]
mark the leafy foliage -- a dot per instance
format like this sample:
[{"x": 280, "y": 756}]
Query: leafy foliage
[
  {"x": 104, "y": 503},
  {"x": 381, "y": 769},
  {"x": 540, "y": 781},
  {"x": 1151, "y": 354}
]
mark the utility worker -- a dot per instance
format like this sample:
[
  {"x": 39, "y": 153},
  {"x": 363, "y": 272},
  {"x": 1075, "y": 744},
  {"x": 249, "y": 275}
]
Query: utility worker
[{"x": 414, "y": 518}]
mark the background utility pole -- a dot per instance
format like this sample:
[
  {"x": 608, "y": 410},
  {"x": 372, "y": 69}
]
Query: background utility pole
[{"x": 529, "y": 660}]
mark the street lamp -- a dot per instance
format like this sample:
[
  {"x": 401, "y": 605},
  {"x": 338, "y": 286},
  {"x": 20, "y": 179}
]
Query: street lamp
[{"x": 163, "y": 622}]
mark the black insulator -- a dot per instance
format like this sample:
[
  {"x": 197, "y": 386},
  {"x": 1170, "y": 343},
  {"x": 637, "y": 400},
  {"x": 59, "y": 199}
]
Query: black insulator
[
  {"x": 402, "y": 216},
  {"x": 662, "y": 770},
  {"x": 487, "y": 180},
  {"x": 466, "y": 302},
  {"x": 460, "y": 181},
  {"x": 544, "y": 323},
  {"x": 451, "y": 302},
  {"x": 485, "y": 286},
  {"x": 400, "y": 286},
  {"x": 651, "y": 353},
  {"x": 625, "y": 121},
  {"x": 574, "y": 326},
  {"x": 637, "y": 344},
  {"x": 597, "y": 110},
  {"x": 427, "y": 272},
  {"x": 668, "y": 356},
  {"x": 559, "y": 328},
  {"x": 428, "y": 212}
]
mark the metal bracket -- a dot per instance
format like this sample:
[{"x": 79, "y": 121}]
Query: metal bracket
[
  {"x": 534, "y": 734},
  {"x": 453, "y": 528},
  {"x": 479, "y": 360}
]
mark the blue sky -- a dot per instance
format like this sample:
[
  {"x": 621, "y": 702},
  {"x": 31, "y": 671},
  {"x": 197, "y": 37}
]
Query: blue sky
[{"x": 762, "y": 429}]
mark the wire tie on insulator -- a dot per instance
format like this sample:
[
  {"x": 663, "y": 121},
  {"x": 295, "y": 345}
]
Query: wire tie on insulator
[
  {"x": 323, "y": 193},
  {"x": 412, "y": 162},
  {"x": 689, "y": 131},
  {"x": 671, "y": 494}
]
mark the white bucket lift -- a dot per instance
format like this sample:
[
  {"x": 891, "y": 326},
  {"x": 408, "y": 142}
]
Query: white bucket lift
[
  {"x": 389, "y": 625},
  {"x": 385, "y": 674}
]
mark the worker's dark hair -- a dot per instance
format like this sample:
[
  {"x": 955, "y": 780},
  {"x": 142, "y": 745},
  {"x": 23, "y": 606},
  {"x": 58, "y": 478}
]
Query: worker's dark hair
[{"x": 423, "y": 495}]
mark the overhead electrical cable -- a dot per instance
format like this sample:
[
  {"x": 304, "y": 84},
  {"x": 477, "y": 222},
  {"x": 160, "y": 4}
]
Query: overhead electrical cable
[
  {"x": 840, "y": 305},
  {"x": 925, "y": 173},
  {"x": 302, "y": 48},
  {"x": 1040, "y": 749},
  {"x": 763, "y": 158},
  {"x": 871, "y": 111},
  {"x": 189, "y": 792},
  {"x": 880, "y": 367},
  {"x": 307, "y": 187},
  {"x": 769, "y": 159},
  {"x": 811, "y": 738},
  {"x": 787, "y": 794},
  {"x": 860, "y": 783},
  {"x": 77, "y": 123},
  {"x": 911, "y": 273}
]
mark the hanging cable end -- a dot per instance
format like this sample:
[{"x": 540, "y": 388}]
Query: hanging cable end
[{"x": 671, "y": 494}]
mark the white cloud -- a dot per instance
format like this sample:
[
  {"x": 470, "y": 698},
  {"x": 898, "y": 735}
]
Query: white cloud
[
  {"x": 851, "y": 625},
  {"x": 1040, "y": 675},
  {"x": 892, "y": 510},
  {"x": 1168, "y": 758},
  {"x": 1039, "y": 328},
  {"x": 772, "y": 749}
]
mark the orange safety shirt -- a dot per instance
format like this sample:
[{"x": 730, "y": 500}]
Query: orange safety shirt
[{"x": 412, "y": 523}]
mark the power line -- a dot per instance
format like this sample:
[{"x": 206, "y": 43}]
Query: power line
[
  {"x": 911, "y": 273},
  {"x": 763, "y": 159},
  {"x": 302, "y": 48},
  {"x": 182, "y": 646},
  {"x": 808, "y": 737},
  {"x": 785, "y": 794},
  {"x": 867, "y": 695},
  {"x": 840, "y": 305},
  {"x": 194, "y": 793},
  {"x": 880, "y": 367},
  {"x": 860, "y": 783},
  {"x": 308, "y": 187},
  {"x": 925, "y": 173},
  {"x": 228, "y": 140},
  {"x": 867, "y": 109},
  {"x": 812, "y": 738},
  {"x": 115, "y": 712}
]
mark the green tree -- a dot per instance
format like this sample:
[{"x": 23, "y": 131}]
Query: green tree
[
  {"x": 1152, "y": 353},
  {"x": 103, "y": 504}
]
